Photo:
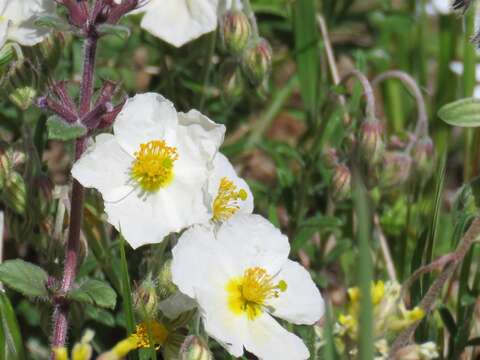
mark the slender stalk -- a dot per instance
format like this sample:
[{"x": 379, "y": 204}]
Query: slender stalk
[
  {"x": 86, "y": 88},
  {"x": 60, "y": 314},
  {"x": 451, "y": 262},
  {"x": 367, "y": 91}
]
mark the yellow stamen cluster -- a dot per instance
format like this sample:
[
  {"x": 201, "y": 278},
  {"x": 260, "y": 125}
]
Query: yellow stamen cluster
[
  {"x": 389, "y": 312},
  {"x": 158, "y": 334},
  {"x": 152, "y": 168},
  {"x": 250, "y": 293},
  {"x": 226, "y": 204}
]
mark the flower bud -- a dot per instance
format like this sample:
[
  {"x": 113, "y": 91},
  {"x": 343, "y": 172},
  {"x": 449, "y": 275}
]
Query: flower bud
[
  {"x": 165, "y": 283},
  {"x": 7, "y": 55},
  {"x": 15, "y": 193},
  {"x": 417, "y": 352},
  {"x": 330, "y": 158},
  {"x": 422, "y": 155},
  {"x": 371, "y": 143},
  {"x": 23, "y": 97},
  {"x": 257, "y": 61},
  {"x": 341, "y": 182},
  {"x": 145, "y": 300},
  {"x": 232, "y": 83},
  {"x": 193, "y": 348},
  {"x": 396, "y": 168},
  {"x": 235, "y": 31}
]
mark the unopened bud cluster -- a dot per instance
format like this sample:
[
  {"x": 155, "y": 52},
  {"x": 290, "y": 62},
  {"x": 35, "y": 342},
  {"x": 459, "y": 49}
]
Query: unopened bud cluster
[{"x": 250, "y": 55}]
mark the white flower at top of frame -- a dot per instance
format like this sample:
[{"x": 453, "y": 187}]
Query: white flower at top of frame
[
  {"x": 228, "y": 194},
  {"x": 17, "y": 21},
  {"x": 439, "y": 7},
  {"x": 178, "y": 22},
  {"x": 154, "y": 170},
  {"x": 241, "y": 277}
]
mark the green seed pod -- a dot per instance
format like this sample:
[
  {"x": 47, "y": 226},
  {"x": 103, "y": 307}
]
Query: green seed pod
[
  {"x": 232, "y": 83},
  {"x": 235, "y": 31},
  {"x": 7, "y": 55},
  {"x": 23, "y": 97},
  {"x": 194, "y": 348},
  {"x": 371, "y": 142},
  {"x": 257, "y": 61},
  {"x": 341, "y": 182},
  {"x": 145, "y": 300},
  {"x": 15, "y": 193}
]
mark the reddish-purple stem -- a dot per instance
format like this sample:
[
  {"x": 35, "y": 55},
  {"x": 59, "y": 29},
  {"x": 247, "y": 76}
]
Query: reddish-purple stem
[
  {"x": 60, "y": 314},
  {"x": 86, "y": 89}
]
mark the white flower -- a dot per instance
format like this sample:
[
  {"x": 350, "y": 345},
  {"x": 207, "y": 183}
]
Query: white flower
[
  {"x": 179, "y": 21},
  {"x": 228, "y": 194},
  {"x": 152, "y": 173},
  {"x": 17, "y": 21},
  {"x": 439, "y": 7},
  {"x": 240, "y": 276}
]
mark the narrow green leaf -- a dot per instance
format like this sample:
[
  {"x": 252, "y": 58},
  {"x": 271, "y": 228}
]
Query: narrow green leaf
[
  {"x": 365, "y": 266},
  {"x": 448, "y": 320},
  {"x": 94, "y": 292},
  {"x": 306, "y": 48},
  {"x": 11, "y": 345},
  {"x": 126, "y": 293},
  {"x": 464, "y": 113},
  {"x": 58, "y": 129},
  {"x": 24, "y": 277}
]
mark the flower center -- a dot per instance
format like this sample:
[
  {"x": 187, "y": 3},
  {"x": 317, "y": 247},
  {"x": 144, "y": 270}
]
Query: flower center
[
  {"x": 152, "y": 168},
  {"x": 158, "y": 334},
  {"x": 226, "y": 204},
  {"x": 249, "y": 293}
]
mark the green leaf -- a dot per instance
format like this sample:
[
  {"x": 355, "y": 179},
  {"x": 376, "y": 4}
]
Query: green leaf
[
  {"x": 94, "y": 292},
  {"x": 24, "y": 277},
  {"x": 58, "y": 129},
  {"x": 53, "y": 22},
  {"x": 11, "y": 345},
  {"x": 448, "y": 320},
  {"x": 464, "y": 113},
  {"x": 306, "y": 49},
  {"x": 99, "y": 315},
  {"x": 121, "y": 31}
]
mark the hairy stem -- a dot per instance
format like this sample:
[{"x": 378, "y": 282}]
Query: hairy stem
[
  {"x": 60, "y": 314},
  {"x": 427, "y": 303},
  {"x": 86, "y": 89}
]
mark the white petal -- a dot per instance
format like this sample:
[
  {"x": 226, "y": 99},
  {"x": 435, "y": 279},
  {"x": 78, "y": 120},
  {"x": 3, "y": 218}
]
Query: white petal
[
  {"x": 3, "y": 32},
  {"x": 254, "y": 241},
  {"x": 144, "y": 118},
  {"x": 199, "y": 259},
  {"x": 105, "y": 166},
  {"x": 148, "y": 219},
  {"x": 230, "y": 330},
  {"x": 200, "y": 136},
  {"x": 176, "y": 304},
  {"x": 22, "y": 15},
  {"x": 180, "y": 21},
  {"x": 223, "y": 168},
  {"x": 302, "y": 302},
  {"x": 269, "y": 341}
]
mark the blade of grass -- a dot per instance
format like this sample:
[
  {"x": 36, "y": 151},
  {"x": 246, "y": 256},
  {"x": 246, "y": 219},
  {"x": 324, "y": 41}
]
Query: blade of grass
[
  {"x": 127, "y": 295},
  {"x": 468, "y": 79},
  {"x": 365, "y": 271},
  {"x": 306, "y": 50}
]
